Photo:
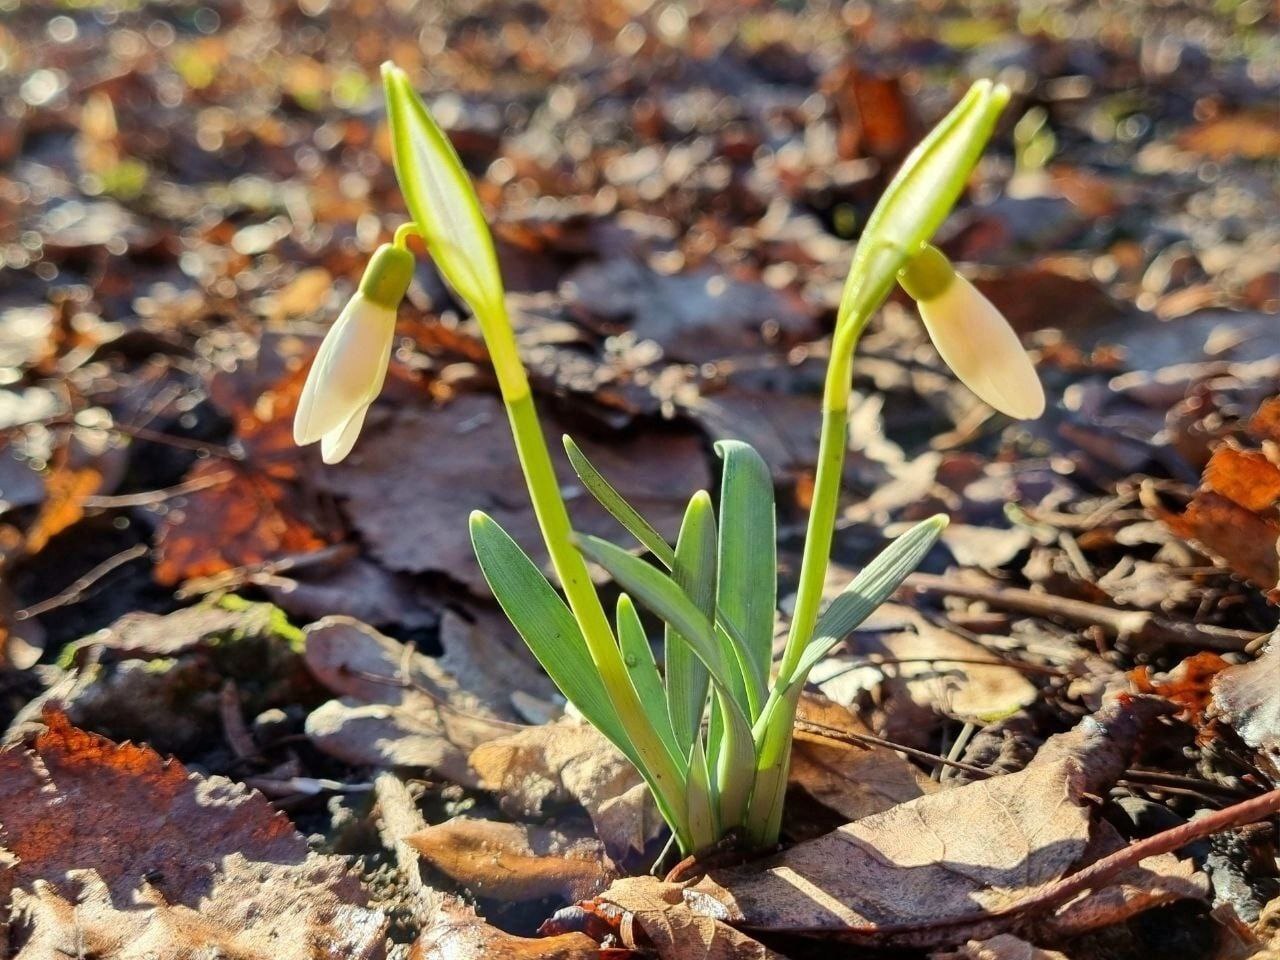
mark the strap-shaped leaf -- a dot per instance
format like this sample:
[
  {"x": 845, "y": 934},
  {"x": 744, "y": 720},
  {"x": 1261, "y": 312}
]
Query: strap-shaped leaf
[
  {"x": 735, "y": 749},
  {"x": 694, "y": 572},
  {"x": 618, "y": 508},
  {"x": 547, "y": 625},
  {"x": 659, "y": 593},
  {"x": 643, "y": 670},
  {"x": 747, "y": 594},
  {"x": 441, "y": 198},
  {"x": 701, "y": 809},
  {"x": 873, "y": 585},
  {"x": 919, "y": 197}
]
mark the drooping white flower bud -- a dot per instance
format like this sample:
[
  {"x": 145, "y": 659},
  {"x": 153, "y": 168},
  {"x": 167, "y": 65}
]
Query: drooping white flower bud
[
  {"x": 350, "y": 367},
  {"x": 973, "y": 337}
]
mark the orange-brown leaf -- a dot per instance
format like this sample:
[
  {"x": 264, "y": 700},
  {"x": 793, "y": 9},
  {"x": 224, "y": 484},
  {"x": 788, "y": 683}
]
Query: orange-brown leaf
[{"x": 249, "y": 518}]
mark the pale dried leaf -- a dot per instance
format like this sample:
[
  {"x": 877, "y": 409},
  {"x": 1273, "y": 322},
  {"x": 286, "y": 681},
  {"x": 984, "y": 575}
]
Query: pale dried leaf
[
  {"x": 539, "y": 767},
  {"x": 923, "y": 679},
  {"x": 1246, "y": 697},
  {"x": 400, "y": 708}
]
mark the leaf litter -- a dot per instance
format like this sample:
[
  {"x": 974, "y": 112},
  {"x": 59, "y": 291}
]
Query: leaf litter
[{"x": 677, "y": 193}]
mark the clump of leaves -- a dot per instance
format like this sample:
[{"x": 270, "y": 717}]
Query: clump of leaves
[{"x": 711, "y": 730}]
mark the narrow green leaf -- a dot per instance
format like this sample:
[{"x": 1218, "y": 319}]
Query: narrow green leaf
[
  {"x": 694, "y": 571},
  {"x": 735, "y": 750},
  {"x": 547, "y": 625},
  {"x": 747, "y": 594},
  {"x": 773, "y": 729},
  {"x": 919, "y": 198},
  {"x": 873, "y": 585},
  {"x": 637, "y": 655},
  {"x": 734, "y": 763},
  {"x": 659, "y": 593},
  {"x": 703, "y": 819},
  {"x": 618, "y": 508},
  {"x": 441, "y": 198}
]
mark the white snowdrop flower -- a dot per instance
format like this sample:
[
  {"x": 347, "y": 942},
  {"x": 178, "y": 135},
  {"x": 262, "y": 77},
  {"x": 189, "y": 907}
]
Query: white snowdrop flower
[
  {"x": 973, "y": 337},
  {"x": 349, "y": 370}
]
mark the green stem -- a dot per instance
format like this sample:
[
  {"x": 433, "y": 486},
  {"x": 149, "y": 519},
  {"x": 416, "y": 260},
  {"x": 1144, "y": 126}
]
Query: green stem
[
  {"x": 826, "y": 495},
  {"x": 403, "y": 232},
  {"x": 664, "y": 778},
  {"x": 774, "y": 740}
]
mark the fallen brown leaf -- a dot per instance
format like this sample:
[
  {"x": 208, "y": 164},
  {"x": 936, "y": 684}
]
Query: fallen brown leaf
[
  {"x": 124, "y": 856},
  {"x": 931, "y": 871},
  {"x": 511, "y": 861},
  {"x": 569, "y": 761},
  {"x": 1232, "y": 515},
  {"x": 158, "y": 678},
  {"x": 655, "y": 915},
  {"x": 929, "y": 673},
  {"x": 397, "y": 708},
  {"x": 66, "y": 489},
  {"x": 409, "y": 485},
  {"x": 456, "y": 933},
  {"x": 854, "y": 781},
  {"x": 246, "y": 517}
]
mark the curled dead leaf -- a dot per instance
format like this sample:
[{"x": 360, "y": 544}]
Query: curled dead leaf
[{"x": 656, "y": 916}]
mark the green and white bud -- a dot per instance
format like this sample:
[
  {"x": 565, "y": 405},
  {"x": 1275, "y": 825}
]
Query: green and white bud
[
  {"x": 973, "y": 337},
  {"x": 349, "y": 369}
]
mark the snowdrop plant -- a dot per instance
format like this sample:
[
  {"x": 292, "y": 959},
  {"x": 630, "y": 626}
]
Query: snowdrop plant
[{"x": 710, "y": 730}]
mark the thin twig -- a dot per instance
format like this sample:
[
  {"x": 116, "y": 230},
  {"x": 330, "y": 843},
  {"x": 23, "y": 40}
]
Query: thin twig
[
  {"x": 75, "y": 592},
  {"x": 870, "y": 740},
  {"x": 1116, "y": 623},
  {"x": 151, "y": 497}
]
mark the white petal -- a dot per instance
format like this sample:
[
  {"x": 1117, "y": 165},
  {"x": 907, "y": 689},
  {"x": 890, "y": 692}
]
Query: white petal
[
  {"x": 347, "y": 371},
  {"x": 978, "y": 344},
  {"x": 337, "y": 443}
]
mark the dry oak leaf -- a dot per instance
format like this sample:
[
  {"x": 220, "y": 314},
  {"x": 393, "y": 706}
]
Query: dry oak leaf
[
  {"x": 556, "y": 763},
  {"x": 122, "y": 855},
  {"x": 655, "y": 915},
  {"x": 513, "y": 861},
  {"x": 397, "y": 707},
  {"x": 456, "y": 933},
  {"x": 920, "y": 681},
  {"x": 931, "y": 872}
]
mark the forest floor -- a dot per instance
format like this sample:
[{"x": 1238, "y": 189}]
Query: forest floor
[{"x": 261, "y": 708}]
